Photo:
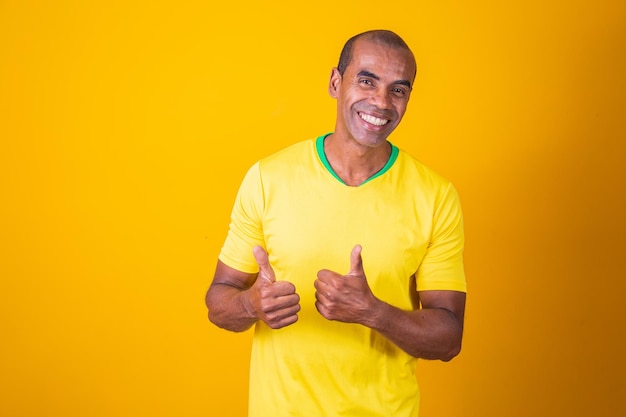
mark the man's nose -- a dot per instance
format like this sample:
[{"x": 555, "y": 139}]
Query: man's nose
[{"x": 381, "y": 98}]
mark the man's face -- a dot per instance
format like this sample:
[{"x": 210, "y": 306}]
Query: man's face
[{"x": 373, "y": 93}]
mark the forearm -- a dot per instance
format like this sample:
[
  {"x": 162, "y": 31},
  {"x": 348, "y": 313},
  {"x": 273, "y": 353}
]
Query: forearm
[
  {"x": 429, "y": 333},
  {"x": 229, "y": 307}
]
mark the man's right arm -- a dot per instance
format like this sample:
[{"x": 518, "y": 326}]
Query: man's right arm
[{"x": 236, "y": 300}]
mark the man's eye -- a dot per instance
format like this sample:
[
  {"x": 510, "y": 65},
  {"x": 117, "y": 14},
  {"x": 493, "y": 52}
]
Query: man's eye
[
  {"x": 366, "y": 82},
  {"x": 400, "y": 92}
]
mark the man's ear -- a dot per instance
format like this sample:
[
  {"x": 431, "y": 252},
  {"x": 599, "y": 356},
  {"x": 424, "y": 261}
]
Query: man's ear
[{"x": 334, "y": 83}]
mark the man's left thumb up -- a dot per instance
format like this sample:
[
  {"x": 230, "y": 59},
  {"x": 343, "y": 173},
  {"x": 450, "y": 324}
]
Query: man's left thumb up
[{"x": 356, "y": 262}]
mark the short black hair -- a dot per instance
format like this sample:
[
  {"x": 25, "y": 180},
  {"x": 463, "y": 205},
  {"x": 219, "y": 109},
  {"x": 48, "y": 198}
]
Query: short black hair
[{"x": 385, "y": 37}]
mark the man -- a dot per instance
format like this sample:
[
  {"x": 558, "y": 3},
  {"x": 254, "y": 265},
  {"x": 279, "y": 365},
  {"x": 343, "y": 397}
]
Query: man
[{"x": 327, "y": 342}]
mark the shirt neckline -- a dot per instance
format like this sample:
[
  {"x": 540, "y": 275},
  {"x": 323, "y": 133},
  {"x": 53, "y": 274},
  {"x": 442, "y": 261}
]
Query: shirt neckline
[{"x": 319, "y": 146}]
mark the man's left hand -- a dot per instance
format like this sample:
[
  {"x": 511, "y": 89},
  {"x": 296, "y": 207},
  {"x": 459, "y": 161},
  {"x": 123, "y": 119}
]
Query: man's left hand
[{"x": 347, "y": 298}]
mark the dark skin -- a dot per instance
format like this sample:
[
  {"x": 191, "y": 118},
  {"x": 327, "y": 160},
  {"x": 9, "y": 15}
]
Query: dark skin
[
  {"x": 432, "y": 332},
  {"x": 372, "y": 96},
  {"x": 237, "y": 300}
]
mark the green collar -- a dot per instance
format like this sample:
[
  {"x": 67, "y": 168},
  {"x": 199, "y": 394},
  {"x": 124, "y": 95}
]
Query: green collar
[{"x": 319, "y": 146}]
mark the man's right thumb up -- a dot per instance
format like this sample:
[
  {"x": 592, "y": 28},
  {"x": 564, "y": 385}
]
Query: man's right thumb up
[{"x": 266, "y": 272}]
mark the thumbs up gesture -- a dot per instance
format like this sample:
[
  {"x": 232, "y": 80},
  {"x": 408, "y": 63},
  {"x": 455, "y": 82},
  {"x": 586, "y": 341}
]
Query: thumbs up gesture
[
  {"x": 347, "y": 298},
  {"x": 274, "y": 302}
]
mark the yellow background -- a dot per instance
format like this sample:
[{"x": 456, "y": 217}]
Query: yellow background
[{"x": 126, "y": 128}]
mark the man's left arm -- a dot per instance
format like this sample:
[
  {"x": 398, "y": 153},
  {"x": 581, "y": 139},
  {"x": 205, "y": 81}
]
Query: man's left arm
[{"x": 433, "y": 331}]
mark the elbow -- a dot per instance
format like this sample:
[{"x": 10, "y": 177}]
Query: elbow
[
  {"x": 221, "y": 316},
  {"x": 222, "y": 321},
  {"x": 441, "y": 351},
  {"x": 453, "y": 348},
  {"x": 213, "y": 319},
  {"x": 453, "y": 343},
  {"x": 214, "y": 314},
  {"x": 451, "y": 353},
  {"x": 219, "y": 320}
]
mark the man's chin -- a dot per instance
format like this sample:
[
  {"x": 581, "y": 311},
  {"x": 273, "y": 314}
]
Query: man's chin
[{"x": 372, "y": 141}]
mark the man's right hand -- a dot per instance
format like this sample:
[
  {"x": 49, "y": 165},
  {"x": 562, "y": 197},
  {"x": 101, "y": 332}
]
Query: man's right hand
[{"x": 275, "y": 303}]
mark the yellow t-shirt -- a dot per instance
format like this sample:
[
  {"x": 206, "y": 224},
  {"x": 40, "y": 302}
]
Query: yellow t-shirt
[{"x": 408, "y": 221}]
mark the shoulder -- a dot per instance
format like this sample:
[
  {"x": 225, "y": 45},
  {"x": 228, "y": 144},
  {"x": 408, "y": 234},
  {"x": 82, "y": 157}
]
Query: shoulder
[
  {"x": 294, "y": 157},
  {"x": 297, "y": 150},
  {"x": 414, "y": 171}
]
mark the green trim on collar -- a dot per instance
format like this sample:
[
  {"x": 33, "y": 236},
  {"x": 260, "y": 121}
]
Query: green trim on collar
[{"x": 319, "y": 146}]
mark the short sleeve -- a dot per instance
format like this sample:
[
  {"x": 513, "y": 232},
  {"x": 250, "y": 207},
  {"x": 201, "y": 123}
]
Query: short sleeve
[
  {"x": 442, "y": 266},
  {"x": 246, "y": 226}
]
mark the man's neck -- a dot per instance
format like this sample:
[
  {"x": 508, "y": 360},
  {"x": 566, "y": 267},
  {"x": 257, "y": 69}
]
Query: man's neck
[{"x": 352, "y": 162}]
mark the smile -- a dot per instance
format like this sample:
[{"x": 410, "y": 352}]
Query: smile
[{"x": 373, "y": 120}]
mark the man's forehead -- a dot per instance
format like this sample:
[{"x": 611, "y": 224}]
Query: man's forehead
[{"x": 377, "y": 58}]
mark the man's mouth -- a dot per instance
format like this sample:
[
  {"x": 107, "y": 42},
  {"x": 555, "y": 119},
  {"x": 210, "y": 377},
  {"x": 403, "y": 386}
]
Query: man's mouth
[{"x": 373, "y": 120}]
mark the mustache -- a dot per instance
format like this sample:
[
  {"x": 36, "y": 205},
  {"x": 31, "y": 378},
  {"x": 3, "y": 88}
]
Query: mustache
[{"x": 377, "y": 112}]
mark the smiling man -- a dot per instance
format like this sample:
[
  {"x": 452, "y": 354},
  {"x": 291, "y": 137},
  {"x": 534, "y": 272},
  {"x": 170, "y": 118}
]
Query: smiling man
[{"x": 346, "y": 254}]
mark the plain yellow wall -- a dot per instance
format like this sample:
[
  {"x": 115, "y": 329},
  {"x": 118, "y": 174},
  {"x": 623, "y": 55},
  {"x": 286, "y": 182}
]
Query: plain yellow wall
[{"x": 126, "y": 128}]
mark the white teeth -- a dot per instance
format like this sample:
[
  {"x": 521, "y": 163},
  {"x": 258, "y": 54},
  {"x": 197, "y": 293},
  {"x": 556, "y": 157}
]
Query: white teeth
[{"x": 373, "y": 120}]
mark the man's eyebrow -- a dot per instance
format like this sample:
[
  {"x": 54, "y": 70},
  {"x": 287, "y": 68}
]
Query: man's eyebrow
[
  {"x": 404, "y": 82},
  {"x": 366, "y": 73}
]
